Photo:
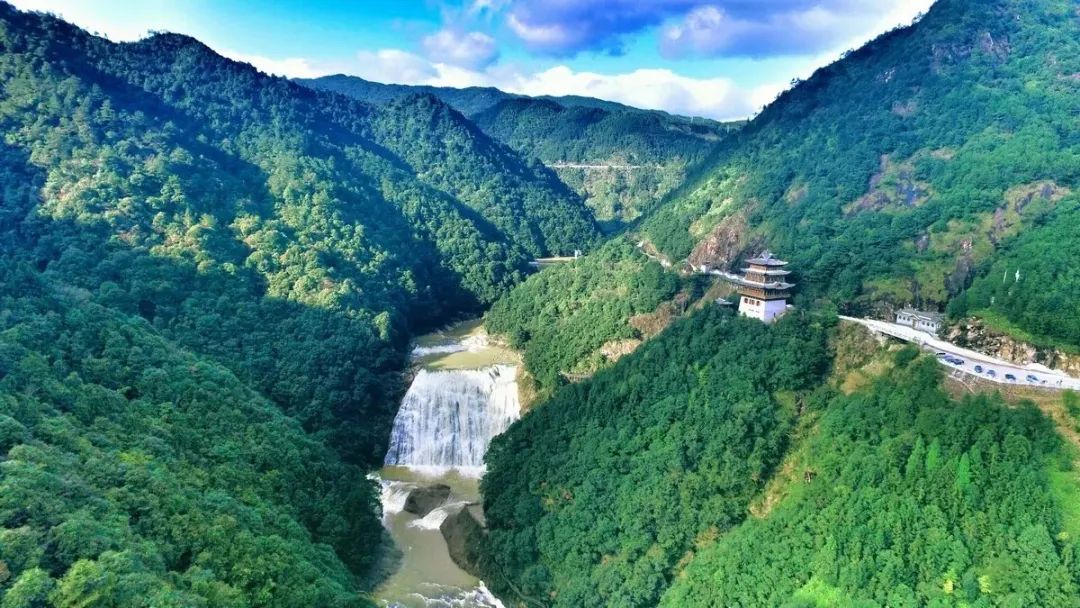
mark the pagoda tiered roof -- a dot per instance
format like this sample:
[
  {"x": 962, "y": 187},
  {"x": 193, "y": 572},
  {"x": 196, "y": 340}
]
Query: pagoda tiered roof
[
  {"x": 766, "y": 259},
  {"x": 744, "y": 282},
  {"x": 769, "y": 269},
  {"x": 770, "y": 272},
  {"x": 776, "y": 285}
]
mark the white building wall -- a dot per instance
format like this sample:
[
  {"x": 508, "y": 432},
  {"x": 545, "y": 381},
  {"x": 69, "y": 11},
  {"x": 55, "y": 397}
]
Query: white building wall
[{"x": 762, "y": 310}]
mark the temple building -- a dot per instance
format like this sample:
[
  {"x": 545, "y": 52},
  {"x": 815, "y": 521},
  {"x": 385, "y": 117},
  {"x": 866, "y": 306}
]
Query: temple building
[
  {"x": 763, "y": 292},
  {"x": 930, "y": 322}
]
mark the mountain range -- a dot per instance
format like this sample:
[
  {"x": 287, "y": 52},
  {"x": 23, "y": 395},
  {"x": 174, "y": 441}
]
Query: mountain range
[
  {"x": 935, "y": 167},
  {"x": 623, "y": 161},
  {"x": 183, "y": 232},
  {"x": 210, "y": 279}
]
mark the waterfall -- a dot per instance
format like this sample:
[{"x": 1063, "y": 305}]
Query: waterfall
[{"x": 447, "y": 418}]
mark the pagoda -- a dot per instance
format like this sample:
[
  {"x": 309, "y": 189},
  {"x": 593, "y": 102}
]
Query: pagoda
[{"x": 762, "y": 289}]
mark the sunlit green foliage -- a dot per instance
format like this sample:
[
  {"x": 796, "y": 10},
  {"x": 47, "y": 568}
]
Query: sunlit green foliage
[
  {"x": 596, "y": 494},
  {"x": 917, "y": 500},
  {"x": 137, "y": 474},
  {"x": 886, "y": 177},
  {"x": 562, "y": 314}
]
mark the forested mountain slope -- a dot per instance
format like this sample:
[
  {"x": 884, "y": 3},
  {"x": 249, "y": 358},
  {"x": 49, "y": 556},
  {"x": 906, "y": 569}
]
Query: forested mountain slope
[
  {"x": 210, "y": 278},
  {"x": 135, "y": 473},
  {"x": 924, "y": 168},
  {"x": 677, "y": 477},
  {"x": 603, "y": 298},
  {"x": 623, "y": 160},
  {"x": 916, "y": 500},
  {"x": 902, "y": 173},
  {"x": 468, "y": 100},
  {"x": 919, "y": 170},
  {"x": 522, "y": 198},
  {"x": 595, "y": 495}
]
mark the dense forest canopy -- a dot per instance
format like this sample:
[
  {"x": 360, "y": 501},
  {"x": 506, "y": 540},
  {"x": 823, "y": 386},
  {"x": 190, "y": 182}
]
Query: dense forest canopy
[
  {"x": 136, "y": 473},
  {"x": 523, "y": 199},
  {"x": 899, "y": 174},
  {"x": 916, "y": 500},
  {"x": 716, "y": 466},
  {"x": 647, "y": 459},
  {"x": 467, "y": 100},
  {"x": 210, "y": 280},
  {"x": 936, "y": 166},
  {"x": 623, "y": 160}
]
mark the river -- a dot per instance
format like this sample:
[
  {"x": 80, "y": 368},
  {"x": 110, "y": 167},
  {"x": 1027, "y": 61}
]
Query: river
[{"x": 464, "y": 392}]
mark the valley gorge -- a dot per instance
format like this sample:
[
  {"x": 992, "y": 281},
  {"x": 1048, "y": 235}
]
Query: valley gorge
[{"x": 325, "y": 341}]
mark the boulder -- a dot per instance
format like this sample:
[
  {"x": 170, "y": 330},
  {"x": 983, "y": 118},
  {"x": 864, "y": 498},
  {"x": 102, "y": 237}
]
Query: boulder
[
  {"x": 424, "y": 500},
  {"x": 463, "y": 535}
]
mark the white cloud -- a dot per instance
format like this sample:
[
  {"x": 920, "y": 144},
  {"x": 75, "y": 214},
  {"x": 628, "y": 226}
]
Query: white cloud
[
  {"x": 394, "y": 65},
  {"x": 657, "y": 89},
  {"x": 291, "y": 67},
  {"x": 714, "y": 31},
  {"x": 467, "y": 49},
  {"x": 553, "y": 35}
]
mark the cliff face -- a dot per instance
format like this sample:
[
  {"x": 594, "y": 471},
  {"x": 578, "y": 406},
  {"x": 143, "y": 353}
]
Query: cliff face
[
  {"x": 724, "y": 243},
  {"x": 973, "y": 334}
]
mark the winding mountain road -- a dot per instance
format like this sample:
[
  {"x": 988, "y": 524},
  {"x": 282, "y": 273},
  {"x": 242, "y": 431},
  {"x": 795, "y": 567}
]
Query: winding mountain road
[
  {"x": 974, "y": 363},
  {"x": 601, "y": 166}
]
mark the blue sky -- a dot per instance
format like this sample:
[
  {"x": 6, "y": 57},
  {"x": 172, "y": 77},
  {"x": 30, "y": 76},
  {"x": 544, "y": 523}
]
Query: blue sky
[{"x": 717, "y": 58}]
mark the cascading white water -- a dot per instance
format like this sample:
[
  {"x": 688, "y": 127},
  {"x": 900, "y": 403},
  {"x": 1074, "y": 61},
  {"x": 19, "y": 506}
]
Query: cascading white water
[
  {"x": 442, "y": 430},
  {"x": 447, "y": 418}
]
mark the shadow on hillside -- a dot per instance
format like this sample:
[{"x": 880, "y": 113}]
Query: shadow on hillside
[{"x": 329, "y": 369}]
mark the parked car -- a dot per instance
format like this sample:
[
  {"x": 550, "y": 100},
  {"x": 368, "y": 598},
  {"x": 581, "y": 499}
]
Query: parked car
[
  {"x": 956, "y": 361},
  {"x": 978, "y": 369},
  {"x": 1031, "y": 378},
  {"x": 991, "y": 373},
  {"x": 1010, "y": 377}
]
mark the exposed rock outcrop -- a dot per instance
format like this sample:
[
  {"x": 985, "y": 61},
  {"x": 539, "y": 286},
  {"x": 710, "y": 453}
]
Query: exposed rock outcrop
[
  {"x": 894, "y": 185},
  {"x": 723, "y": 244},
  {"x": 464, "y": 535},
  {"x": 613, "y": 350},
  {"x": 424, "y": 500},
  {"x": 973, "y": 334}
]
